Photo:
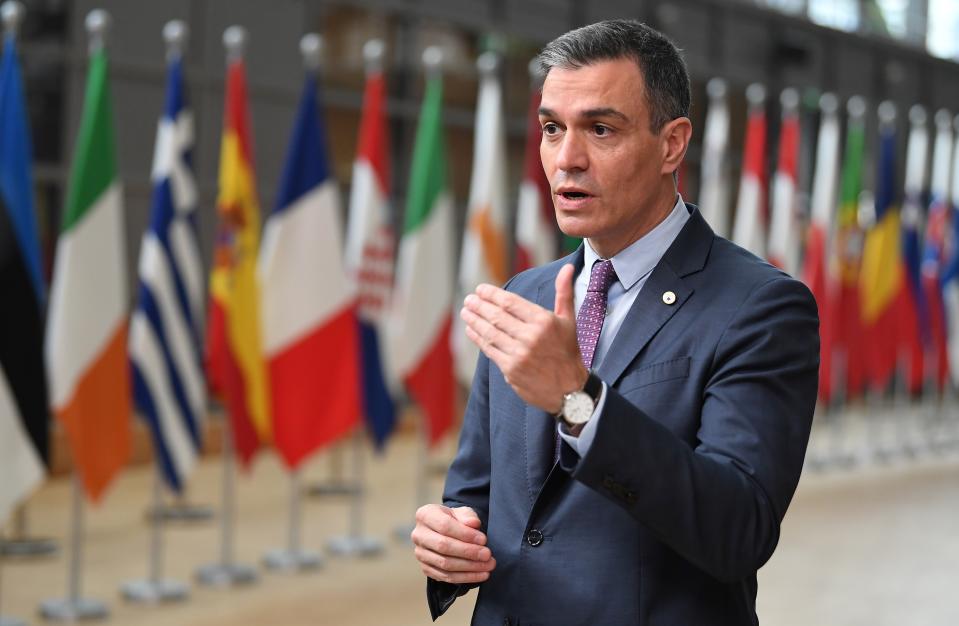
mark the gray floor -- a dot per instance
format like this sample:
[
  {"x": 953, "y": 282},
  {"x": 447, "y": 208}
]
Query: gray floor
[{"x": 876, "y": 544}]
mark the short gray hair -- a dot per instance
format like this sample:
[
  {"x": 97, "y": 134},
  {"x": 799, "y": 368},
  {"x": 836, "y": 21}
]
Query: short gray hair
[{"x": 664, "y": 70}]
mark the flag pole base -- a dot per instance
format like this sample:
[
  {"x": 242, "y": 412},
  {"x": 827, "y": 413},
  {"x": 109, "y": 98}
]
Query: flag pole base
[
  {"x": 285, "y": 560},
  {"x": 154, "y": 591},
  {"x": 332, "y": 488},
  {"x": 350, "y": 546},
  {"x": 225, "y": 575},
  {"x": 72, "y": 610},
  {"x": 28, "y": 548},
  {"x": 12, "y": 621},
  {"x": 185, "y": 513}
]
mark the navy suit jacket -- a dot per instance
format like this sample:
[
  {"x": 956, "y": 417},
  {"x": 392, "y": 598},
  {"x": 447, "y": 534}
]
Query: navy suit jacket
[{"x": 697, "y": 454}]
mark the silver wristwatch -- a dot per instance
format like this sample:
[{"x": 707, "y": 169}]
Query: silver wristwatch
[{"x": 578, "y": 406}]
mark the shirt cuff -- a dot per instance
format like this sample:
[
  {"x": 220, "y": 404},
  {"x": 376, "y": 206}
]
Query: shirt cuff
[{"x": 582, "y": 443}]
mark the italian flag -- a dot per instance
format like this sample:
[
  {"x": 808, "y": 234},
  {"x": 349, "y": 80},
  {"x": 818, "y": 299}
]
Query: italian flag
[
  {"x": 86, "y": 329},
  {"x": 422, "y": 317}
]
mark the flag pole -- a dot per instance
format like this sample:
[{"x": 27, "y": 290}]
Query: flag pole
[
  {"x": 356, "y": 543},
  {"x": 226, "y": 572},
  {"x": 75, "y": 607}
]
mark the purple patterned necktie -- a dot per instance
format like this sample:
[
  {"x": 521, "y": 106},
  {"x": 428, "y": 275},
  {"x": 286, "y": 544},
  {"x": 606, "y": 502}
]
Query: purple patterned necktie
[{"x": 589, "y": 321}]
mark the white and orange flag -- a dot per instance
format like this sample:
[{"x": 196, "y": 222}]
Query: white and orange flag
[
  {"x": 87, "y": 325},
  {"x": 484, "y": 255}
]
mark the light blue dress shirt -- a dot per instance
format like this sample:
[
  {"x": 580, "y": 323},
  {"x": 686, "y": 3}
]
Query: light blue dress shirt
[{"x": 633, "y": 266}]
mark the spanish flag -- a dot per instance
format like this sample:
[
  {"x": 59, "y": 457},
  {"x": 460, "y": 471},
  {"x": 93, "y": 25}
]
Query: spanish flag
[
  {"x": 881, "y": 281},
  {"x": 236, "y": 365}
]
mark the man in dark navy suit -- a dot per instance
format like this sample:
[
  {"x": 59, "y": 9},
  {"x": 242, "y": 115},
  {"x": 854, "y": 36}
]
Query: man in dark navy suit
[{"x": 640, "y": 411}]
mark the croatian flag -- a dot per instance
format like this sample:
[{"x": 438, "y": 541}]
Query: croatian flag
[
  {"x": 308, "y": 305},
  {"x": 370, "y": 247}
]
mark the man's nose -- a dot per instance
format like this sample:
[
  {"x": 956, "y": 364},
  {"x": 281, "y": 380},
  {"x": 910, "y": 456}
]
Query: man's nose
[{"x": 572, "y": 155}]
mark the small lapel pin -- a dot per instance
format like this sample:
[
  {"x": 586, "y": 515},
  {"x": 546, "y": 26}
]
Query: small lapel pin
[{"x": 669, "y": 297}]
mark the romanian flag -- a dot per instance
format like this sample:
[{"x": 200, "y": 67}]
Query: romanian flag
[
  {"x": 236, "y": 368},
  {"x": 882, "y": 280},
  {"x": 484, "y": 257},
  {"x": 424, "y": 275},
  {"x": 848, "y": 335},
  {"x": 87, "y": 324}
]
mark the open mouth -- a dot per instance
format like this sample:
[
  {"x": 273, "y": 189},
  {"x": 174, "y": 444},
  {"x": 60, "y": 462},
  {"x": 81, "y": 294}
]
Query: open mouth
[{"x": 574, "y": 195}]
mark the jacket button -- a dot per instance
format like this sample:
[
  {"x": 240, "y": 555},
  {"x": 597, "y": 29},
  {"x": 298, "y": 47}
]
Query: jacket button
[{"x": 534, "y": 538}]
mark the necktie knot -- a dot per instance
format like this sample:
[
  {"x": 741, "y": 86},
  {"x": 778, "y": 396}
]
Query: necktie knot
[{"x": 601, "y": 277}]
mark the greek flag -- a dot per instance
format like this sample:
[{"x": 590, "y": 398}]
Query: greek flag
[{"x": 165, "y": 330}]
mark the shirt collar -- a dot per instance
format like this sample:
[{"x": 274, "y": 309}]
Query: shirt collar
[{"x": 640, "y": 257}]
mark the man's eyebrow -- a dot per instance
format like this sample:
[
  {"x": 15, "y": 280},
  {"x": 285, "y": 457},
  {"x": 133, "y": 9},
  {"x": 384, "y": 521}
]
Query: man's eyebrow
[{"x": 589, "y": 113}]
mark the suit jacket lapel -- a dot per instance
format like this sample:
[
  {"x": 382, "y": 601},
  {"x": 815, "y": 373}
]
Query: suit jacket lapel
[{"x": 650, "y": 311}]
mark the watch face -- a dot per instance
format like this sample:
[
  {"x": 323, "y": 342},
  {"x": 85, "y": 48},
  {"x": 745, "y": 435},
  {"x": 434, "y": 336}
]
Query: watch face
[{"x": 578, "y": 407}]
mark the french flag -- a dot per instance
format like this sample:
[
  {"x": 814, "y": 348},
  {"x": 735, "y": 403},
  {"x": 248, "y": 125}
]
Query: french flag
[
  {"x": 370, "y": 246},
  {"x": 308, "y": 306}
]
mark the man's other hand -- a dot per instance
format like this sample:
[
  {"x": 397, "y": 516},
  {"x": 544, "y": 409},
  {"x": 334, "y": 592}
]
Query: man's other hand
[
  {"x": 536, "y": 349},
  {"x": 450, "y": 546}
]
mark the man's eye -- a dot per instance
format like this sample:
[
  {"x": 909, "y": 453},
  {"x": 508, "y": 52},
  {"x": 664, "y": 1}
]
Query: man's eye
[
  {"x": 550, "y": 128},
  {"x": 600, "y": 130}
]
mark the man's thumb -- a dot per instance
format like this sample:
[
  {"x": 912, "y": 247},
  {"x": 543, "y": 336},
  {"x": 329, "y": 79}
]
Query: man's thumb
[
  {"x": 467, "y": 516},
  {"x": 564, "y": 293}
]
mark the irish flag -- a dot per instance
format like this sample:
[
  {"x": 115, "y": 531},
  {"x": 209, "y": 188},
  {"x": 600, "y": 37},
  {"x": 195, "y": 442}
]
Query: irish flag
[
  {"x": 236, "y": 368},
  {"x": 424, "y": 282},
  {"x": 86, "y": 328},
  {"x": 484, "y": 257}
]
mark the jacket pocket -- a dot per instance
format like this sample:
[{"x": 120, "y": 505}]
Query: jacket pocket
[{"x": 654, "y": 373}]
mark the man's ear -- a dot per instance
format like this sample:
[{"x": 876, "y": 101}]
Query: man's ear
[{"x": 675, "y": 137}]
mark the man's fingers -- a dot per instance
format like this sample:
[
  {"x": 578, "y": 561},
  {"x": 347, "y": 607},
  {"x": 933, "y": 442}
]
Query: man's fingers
[
  {"x": 448, "y": 547},
  {"x": 497, "y": 316},
  {"x": 440, "y": 520},
  {"x": 467, "y": 515},
  {"x": 451, "y": 563},
  {"x": 457, "y": 578},
  {"x": 563, "y": 306},
  {"x": 517, "y": 306}
]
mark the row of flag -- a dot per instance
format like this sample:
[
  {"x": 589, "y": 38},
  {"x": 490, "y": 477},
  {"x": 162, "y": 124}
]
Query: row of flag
[
  {"x": 300, "y": 332},
  {"x": 883, "y": 264}
]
